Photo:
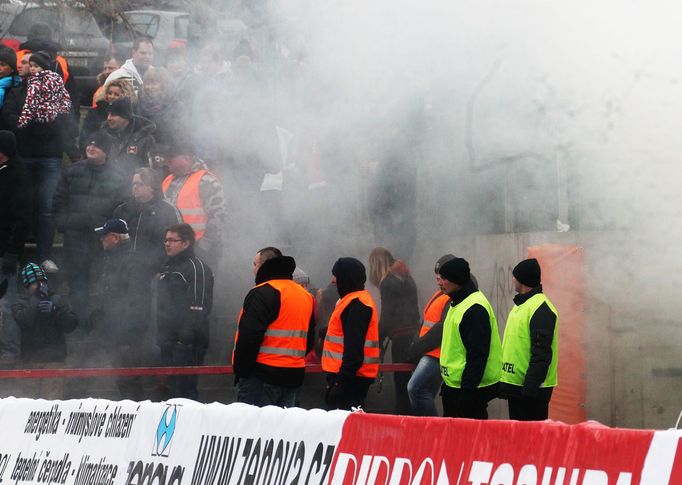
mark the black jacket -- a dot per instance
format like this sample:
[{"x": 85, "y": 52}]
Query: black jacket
[
  {"x": 185, "y": 301},
  {"x": 38, "y": 140},
  {"x": 147, "y": 223},
  {"x": 261, "y": 308},
  {"x": 42, "y": 334},
  {"x": 399, "y": 307},
  {"x": 86, "y": 197},
  {"x": 92, "y": 123},
  {"x": 16, "y": 206},
  {"x": 133, "y": 147},
  {"x": 475, "y": 331},
  {"x": 542, "y": 325}
]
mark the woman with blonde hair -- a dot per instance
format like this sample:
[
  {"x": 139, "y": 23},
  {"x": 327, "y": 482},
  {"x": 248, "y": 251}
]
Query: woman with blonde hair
[
  {"x": 118, "y": 88},
  {"x": 399, "y": 320},
  {"x": 159, "y": 105}
]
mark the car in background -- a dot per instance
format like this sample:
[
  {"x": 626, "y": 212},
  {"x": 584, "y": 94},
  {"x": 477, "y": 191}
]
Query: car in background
[
  {"x": 76, "y": 31},
  {"x": 167, "y": 29}
]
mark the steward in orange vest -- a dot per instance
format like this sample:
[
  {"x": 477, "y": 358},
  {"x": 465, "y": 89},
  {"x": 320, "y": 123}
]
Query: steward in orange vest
[
  {"x": 425, "y": 381},
  {"x": 350, "y": 355},
  {"x": 275, "y": 332}
]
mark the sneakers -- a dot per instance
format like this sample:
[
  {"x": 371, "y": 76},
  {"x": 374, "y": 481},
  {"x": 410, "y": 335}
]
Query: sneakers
[{"x": 49, "y": 266}]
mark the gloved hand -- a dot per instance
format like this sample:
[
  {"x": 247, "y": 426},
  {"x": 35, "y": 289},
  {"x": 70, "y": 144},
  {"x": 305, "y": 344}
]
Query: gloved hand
[
  {"x": 334, "y": 396},
  {"x": 43, "y": 290},
  {"x": 532, "y": 392},
  {"x": 9, "y": 263},
  {"x": 45, "y": 306}
]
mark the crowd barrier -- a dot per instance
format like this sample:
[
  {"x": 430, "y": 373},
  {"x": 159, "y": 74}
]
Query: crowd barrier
[{"x": 181, "y": 442}]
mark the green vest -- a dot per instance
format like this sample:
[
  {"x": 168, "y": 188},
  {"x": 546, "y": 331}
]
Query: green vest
[
  {"x": 516, "y": 346},
  {"x": 453, "y": 353}
]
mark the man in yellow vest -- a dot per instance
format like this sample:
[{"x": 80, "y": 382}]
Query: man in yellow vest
[
  {"x": 198, "y": 195},
  {"x": 471, "y": 352},
  {"x": 275, "y": 332},
  {"x": 350, "y": 355},
  {"x": 529, "y": 349}
]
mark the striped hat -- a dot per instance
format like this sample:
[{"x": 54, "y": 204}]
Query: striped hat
[{"x": 32, "y": 273}]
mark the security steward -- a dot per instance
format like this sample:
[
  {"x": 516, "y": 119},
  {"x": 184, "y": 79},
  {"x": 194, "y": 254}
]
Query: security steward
[
  {"x": 471, "y": 352},
  {"x": 529, "y": 349},
  {"x": 350, "y": 355},
  {"x": 275, "y": 332}
]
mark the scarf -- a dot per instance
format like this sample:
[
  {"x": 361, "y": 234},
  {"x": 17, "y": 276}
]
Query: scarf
[{"x": 6, "y": 83}]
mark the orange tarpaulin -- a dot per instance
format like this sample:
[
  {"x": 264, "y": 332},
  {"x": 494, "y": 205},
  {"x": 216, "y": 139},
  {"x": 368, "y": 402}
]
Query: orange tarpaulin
[{"x": 563, "y": 282}]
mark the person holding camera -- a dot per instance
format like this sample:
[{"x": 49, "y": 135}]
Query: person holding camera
[{"x": 43, "y": 318}]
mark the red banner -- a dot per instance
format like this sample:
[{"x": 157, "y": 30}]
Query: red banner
[{"x": 404, "y": 450}]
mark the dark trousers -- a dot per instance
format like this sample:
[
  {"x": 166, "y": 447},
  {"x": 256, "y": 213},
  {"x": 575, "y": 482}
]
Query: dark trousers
[
  {"x": 45, "y": 174},
  {"x": 528, "y": 409},
  {"x": 183, "y": 355},
  {"x": 399, "y": 354},
  {"x": 347, "y": 397},
  {"x": 467, "y": 403},
  {"x": 254, "y": 391}
]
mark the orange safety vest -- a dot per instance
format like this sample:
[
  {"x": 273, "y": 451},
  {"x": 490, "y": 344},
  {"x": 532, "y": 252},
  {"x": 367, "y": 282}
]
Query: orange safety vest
[
  {"x": 189, "y": 202},
  {"x": 433, "y": 313},
  {"x": 286, "y": 339},
  {"x": 332, "y": 353},
  {"x": 63, "y": 65}
]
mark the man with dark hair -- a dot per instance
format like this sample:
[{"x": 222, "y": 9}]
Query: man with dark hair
[
  {"x": 530, "y": 347},
  {"x": 87, "y": 194},
  {"x": 198, "y": 195},
  {"x": 350, "y": 355},
  {"x": 133, "y": 69},
  {"x": 184, "y": 305},
  {"x": 133, "y": 137},
  {"x": 276, "y": 330},
  {"x": 471, "y": 351}
]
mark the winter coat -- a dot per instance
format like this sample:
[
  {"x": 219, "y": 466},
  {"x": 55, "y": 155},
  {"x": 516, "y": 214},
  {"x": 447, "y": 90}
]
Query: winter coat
[
  {"x": 42, "y": 334},
  {"x": 165, "y": 116},
  {"x": 133, "y": 147},
  {"x": 185, "y": 301},
  {"x": 37, "y": 140},
  {"x": 128, "y": 72},
  {"x": 147, "y": 223},
  {"x": 16, "y": 206},
  {"x": 86, "y": 197},
  {"x": 399, "y": 305},
  {"x": 92, "y": 123},
  {"x": 46, "y": 98}
]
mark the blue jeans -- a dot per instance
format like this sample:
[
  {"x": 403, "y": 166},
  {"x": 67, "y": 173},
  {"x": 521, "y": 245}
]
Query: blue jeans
[
  {"x": 252, "y": 390},
  {"x": 45, "y": 174},
  {"x": 424, "y": 385}
]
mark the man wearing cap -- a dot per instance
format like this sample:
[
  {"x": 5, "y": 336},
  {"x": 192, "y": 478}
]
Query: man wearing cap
[
  {"x": 87, "y": 194},
  {"x": 198, "y": 195},
  {"x": 529, "y": 348},
  {"x": 471, "y": 351},
  {"x": 350, "y": 355},
  {"x": 43, "y": 318},
  {"x": 426, "y": 381},
  {"x": 133, "y": 137},
  {"x": 276, "y": 330}
]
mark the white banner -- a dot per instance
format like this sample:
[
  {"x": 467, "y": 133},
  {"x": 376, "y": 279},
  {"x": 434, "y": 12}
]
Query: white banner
[{"x": 179, "y": 442}]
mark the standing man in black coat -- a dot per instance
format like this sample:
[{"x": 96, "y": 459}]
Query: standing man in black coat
[
  {"x": 16, "y": 211},
  {"x": 87, "y": 194},
  {"x": 185, "y": 303}
]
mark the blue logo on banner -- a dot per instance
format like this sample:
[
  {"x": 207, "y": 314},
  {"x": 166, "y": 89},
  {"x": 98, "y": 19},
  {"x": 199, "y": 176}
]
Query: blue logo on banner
[{"x": 165, "y": 431}]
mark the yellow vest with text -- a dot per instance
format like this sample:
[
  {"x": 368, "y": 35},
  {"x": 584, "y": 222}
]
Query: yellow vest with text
[
  {"x": 453, "y": 352},
  {"x": 516, "y": 343}
]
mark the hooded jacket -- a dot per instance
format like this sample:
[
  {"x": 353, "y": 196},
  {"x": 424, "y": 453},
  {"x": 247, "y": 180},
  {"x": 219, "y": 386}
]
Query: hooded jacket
[
  {"x": 355, "y": 319},
  {"x": 16, "y": 206},
  {"x": 261, "y": 307}
]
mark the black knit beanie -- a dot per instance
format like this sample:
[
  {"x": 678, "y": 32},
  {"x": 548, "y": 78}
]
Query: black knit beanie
[
  {"x": 41, "y": 58},
  {"x": 9, "y": 57},
  {"x": 527, "y": 272},
  {"x": 121, "y": 107},
  {"x": 350, "y": 275},
  {"x": 456, "y": 270}
]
